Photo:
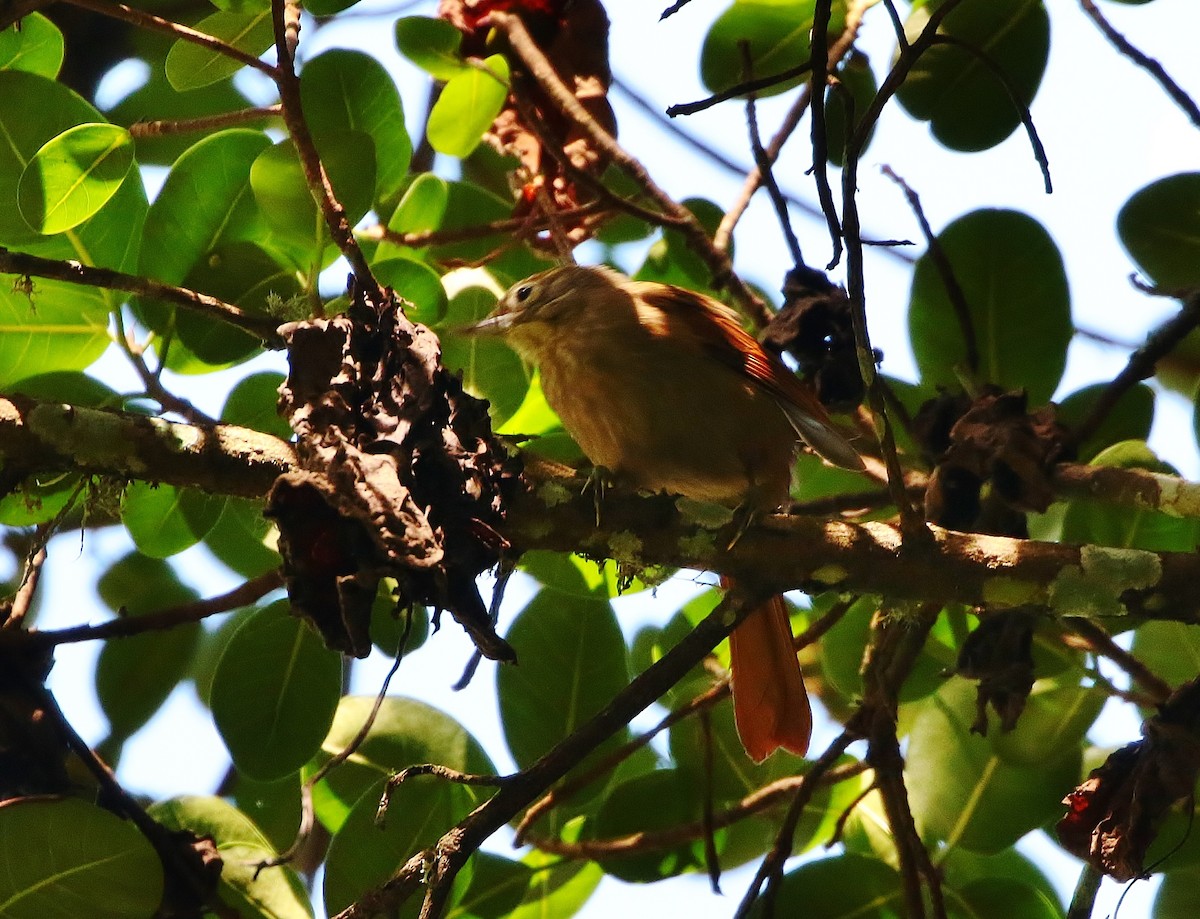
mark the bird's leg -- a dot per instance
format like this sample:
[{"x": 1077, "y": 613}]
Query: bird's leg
[{"x": 598, "y": 480}]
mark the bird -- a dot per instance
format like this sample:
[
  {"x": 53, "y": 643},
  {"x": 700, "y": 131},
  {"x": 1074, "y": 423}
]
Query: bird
[{"x": 663, "y": 389}]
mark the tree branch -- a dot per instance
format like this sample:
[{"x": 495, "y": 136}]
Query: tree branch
[{"x": 34, "y": 266}]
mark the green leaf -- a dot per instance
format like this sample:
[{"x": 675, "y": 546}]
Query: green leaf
[
  {"x": 58, "y": 327},
  {"x": 1170, "y": 649},
  {"x": 74, "y": 175},
  {"x": 276, "y": 893},
  {"x": 347, "y": 91},
  {"x": 274, "y": 693},
  {"x": 964, "y": 101},
  {"x": 495, "y": 888},
  {"x": 1160, "y": 229},
  {"x": 273, "y": 806},
  {"x": 363, "y": 855},
  {"x": 60, "y": 859},
  {"x": 69, "y": 386},
  {"x": 558, "y": 887},
  {"x": 33, "y": 111},
  {"x": 164, "y": 520},
  {"x": 404, "y": 733},
  {"x": 842, "y": 650},
  {"x": 134, "y": 676},
  {"x": 282, "y": 194},
  {"x": 431, "y": 44},
  {"x": 777, "y": 33},
  {"x": 421, "y": 208},
  {"x": 1057, "y": 716},
  {"x": 573, "y": 661},
  {"x": 206, "y": 200},
  {"x": 1016, "y": 293},
  {"x": 1129, "y": 419},
  {"x": 33, "y": 44},
  {"x": 192, "y": 66},
  {"x": 243, "y": 538},
  {"x": 963, "y": 792},
  {"x": 1179, "y": 895},
  {"x": 467, "y": 106},
  {"x": 328, "y": 7},
  {"x": 1105, "y": 524},
  {"x": 491, "y": 369},
  {"x": 656, "y": 801},
  {"x": 1002, "y": 898},
  {"x": 417, "y": 283},
  {"x": 839, "y": 888},
  {"x": 240, "y": 273},
  {"x": 252, "y": 404}
]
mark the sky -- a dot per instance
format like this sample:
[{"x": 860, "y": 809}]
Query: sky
[{"x": 1108, "y": 130}]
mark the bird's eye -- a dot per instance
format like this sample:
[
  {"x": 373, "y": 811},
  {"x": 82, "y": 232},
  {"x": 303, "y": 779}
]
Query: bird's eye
[{"x": 524, "y": 292}]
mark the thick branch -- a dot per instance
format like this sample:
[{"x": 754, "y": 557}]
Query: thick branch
[
  {"x": 48, "y": 437},
  {"x": 778, "y": 553}
]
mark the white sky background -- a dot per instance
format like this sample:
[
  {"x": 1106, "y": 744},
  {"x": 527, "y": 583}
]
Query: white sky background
[{"x": 1108, "y": 130}]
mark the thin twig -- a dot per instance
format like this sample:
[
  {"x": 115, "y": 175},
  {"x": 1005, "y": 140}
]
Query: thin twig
[
  {"x": 22, "y": 600},
  {"x": 748, "y": 86},
  {"x": 152, "y": 381},
  {"x": 764, "y": 168},
  {"x": 673, "y": 9},
  {"x": 126, "y": 626},
  {"x": 1159, "y": 343},
  {"x": 154, "y": 23},
  {"x": 757, "y": 802},
  {"x": 717, "y": 260},
  {"x": 1147, "y": 63},
  {"x": 911, "y": 522},
  {"x": 954, "y": 291},
  {"x": 1083, "y": 900},
  {"x": 1039, "y": 151},
  {"x": 839, "y": 49},
  {"x": 285, "y": 16},
  {"x": 143, "y": 129},
  {"x": 1100, "y": 642},
  {"x": 34, "y": 266},
  {"x": 781, "y": 850},
  {"x": 819, "y": 59},
  {"x": 609, "y": 762}
]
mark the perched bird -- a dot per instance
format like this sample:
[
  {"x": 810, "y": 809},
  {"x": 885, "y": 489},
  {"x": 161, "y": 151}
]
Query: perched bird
[{"x": 663, "y": 387}]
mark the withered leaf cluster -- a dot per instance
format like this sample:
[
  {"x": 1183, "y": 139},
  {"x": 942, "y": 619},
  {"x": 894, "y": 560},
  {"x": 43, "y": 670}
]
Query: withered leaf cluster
[
  {"x": 399, "y": 477},
  {"x": 556, "y": 156},
  {"x": 1114, "y": 815},
  {"x": 993, "y": 440}
]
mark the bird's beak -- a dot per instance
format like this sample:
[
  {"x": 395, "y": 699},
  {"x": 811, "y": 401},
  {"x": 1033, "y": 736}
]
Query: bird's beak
[{"x": 495, "y": 324}]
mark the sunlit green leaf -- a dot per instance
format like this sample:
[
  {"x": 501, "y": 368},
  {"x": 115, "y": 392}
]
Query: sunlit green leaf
[
  {"x": 776, "y": 33},
  {"x": 467, "y": 106},
  {"x": 347, "y": 91},
  {"x": 33, "y": 44},
  {"x": 192, "y": 66},
  {"x": 74, "y": 175}
]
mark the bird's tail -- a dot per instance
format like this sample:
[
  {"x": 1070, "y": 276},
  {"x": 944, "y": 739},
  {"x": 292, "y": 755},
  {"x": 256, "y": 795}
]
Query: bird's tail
[{"x": 770, "y": 703}]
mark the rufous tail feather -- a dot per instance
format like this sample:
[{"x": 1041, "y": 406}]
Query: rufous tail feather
[{"x": 770, "y": 703}]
